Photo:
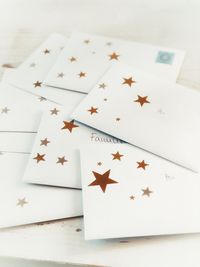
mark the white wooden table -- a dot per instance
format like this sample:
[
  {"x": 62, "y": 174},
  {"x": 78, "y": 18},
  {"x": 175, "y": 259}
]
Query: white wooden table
[{"x": 174, "y": 23}]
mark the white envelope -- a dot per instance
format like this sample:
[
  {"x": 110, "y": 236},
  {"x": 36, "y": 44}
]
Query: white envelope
[
  {"x": 21, "y": 203},
  {"x": 55, "y": 157},
  {"x": 21, "y": 111},
  {"x": 134, "y": 193},
  {"x": 86, "y": 57},
  {"x": 155, "y": 115},
  {"x": 30, "y": 74},
  {"x": 20, "y": 142}
]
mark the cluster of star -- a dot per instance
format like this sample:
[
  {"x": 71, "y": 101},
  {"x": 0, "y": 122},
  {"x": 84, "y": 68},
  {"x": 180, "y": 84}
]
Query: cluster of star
[
  {"x": 41, "y": 157},
  {"x": 104, "y": 179},
  {"x": 141, "y": 100}
]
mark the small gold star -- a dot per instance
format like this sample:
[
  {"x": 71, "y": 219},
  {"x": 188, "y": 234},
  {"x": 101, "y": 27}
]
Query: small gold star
[
  {"x": 54, "y": 111},
  {"x": 41, "y": 98},
  {"x": 69, "y": 125},
  {"x": 147, "y": 192},
  {"x": 82, "y": 74},
  {"x": 44, "y": 142},
  {"x": 113, "y": 56},
  {"x": 5, "y": 110},
  {"x": 61, "y": 160},
  {"x": 142, "y": 100},
  {"x": 37, "y": 84},
  {"x": 132, "y": 197},
  {"x": 21, "y": 202},
  {"x": 32, "y": 65},
  {"x": 99, "y": 163},
  {"x": 117, "y": 156},
  {"x": 86, "y": 41},
  {"x": 46, "y": 51},
  {"x": 39, "y": 157},
  {"x": 93, "y": 110},
  {"x": 60, "y": 75},
  {"x": 142, "y": 164},
  {"x": 102, "y": 85},
  {"x": 128, "y": 81},
  {"x": 72, "y": 59}
]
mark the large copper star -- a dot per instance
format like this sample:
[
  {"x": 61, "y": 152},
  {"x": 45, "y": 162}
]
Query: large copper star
[
  {"x": 44, "y": 142},
  {"x": 128, "y": 81},
  {"x": 93, "y": 110},
  {"x": 69, "y": 125},
  {"x": 61, "y": 160},
  {"x": 102, "y": 180},
  {"x": 142, "y": 164},
  {"x": 142, "y": 100},
  {"x": 113, "y": 56},
  {"x": 117, "y": 156},
  {"x": 39, "y": 157},
  {"x": 37, "y": 84},
  {"x": 147, "y": 192}
]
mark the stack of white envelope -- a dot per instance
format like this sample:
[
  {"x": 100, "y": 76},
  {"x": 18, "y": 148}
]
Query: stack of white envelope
[{"x": 105, "y": 116}]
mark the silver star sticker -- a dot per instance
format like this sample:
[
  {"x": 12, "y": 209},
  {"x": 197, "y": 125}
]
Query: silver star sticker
[
  {"x": 5, "y": 110},
  {"x": 21, "y": 202}
]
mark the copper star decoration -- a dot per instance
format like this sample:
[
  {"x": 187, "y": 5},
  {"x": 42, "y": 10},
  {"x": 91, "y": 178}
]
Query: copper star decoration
[
  {"x": 86, "y": 41},
  {"x": 69, "y": 125},
  {"x": 99, "y": 163},
  {"x": 132, "y": 197},
  {"x": 21, "y": 202},
  {"x": 60, "y": 75},
  {"x": 44, "y": 142},
  {"x": 108, "y": 43},
  {"x": 128, "y": 81},
  {"x": 82, "y": 74},
  {"x": 54, "y": 111},
  {"x": 102, "y": 85},
  {"x": 46, "y": 51},
  {"x": 39, "y": 157},
  {"x": 117, "y": 156},
  {"x": 142, "y": 100},
  {"x": 102, "y": 180},
  {"x": 117, "y": 119},
  {"x": 61, "y": 160},
  {"x": 142, "y": 164},
  {"x": 72, "y": 59},
  {"x": 37, "y": 84},
  {"x": 93, "y": 110},
  {"x": 113, "y": 56},
  {"x": 5, "y": 110},
  {"x": 147, "y": 192}
]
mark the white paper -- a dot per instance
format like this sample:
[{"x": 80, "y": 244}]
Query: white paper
[
  {"x": 155, "y": 115},
  {"x": 134, "y": 193},
  {"x": 21, "y": 203},
  {"x": 86, "y": 57}
]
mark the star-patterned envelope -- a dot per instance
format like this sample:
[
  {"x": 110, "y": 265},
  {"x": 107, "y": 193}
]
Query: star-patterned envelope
[
  {"x": 128, "y": 192},
  {"x": 85, "y": 59},
  {"x": 158, "y": 116},
  {"x": 30, "y": 74},
  {"x": 21, "y": 111},
  {"x": 55, "y": 156},
  {"x": 22, "y": 203}
]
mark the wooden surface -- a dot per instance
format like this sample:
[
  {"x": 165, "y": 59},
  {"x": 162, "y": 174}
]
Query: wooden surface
[{"x": 174, "y": 23}]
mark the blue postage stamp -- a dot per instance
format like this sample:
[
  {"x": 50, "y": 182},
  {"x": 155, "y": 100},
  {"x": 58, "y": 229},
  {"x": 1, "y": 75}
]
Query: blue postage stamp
[{"x": 165, "y": 57}]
